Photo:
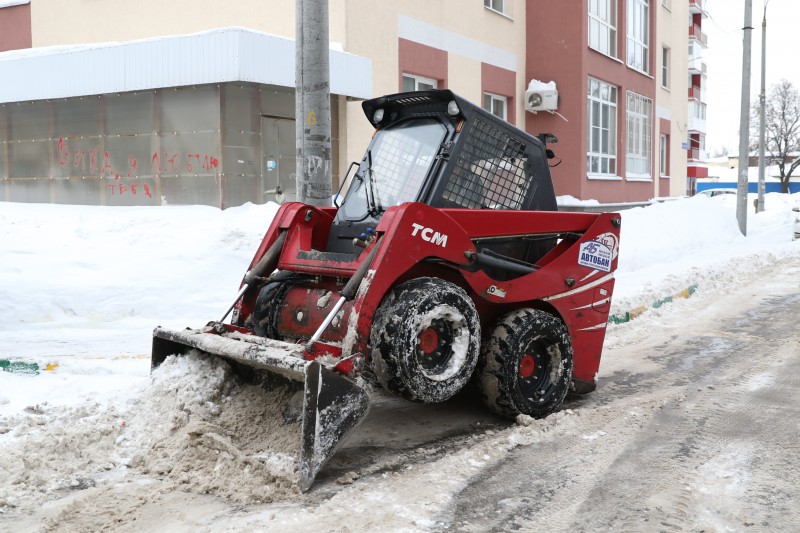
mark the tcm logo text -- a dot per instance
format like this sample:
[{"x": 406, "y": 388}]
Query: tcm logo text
[{"x": 429, "y": 235}]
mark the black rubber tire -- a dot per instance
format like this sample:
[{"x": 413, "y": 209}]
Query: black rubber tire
[
  {"x": 264, "y": 320},
  {"x": 526, "y": 364},
  {"x": 410, "y": 311}
]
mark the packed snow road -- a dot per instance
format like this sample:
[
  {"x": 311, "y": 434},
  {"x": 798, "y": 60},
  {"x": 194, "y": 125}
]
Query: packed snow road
[{"x": 692, "y": 429}]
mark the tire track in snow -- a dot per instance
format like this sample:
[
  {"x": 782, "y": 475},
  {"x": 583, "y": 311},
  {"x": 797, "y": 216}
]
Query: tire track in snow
[{"x": 654, "y": 474}]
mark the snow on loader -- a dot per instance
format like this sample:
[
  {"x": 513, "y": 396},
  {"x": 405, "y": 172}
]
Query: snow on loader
[{"x": 446, "y": 261}]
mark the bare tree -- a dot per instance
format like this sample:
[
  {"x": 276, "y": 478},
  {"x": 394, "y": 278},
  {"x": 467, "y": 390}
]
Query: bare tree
[
  {"x": 782, "y": 129},
  {"x": 719, "y": 151}
]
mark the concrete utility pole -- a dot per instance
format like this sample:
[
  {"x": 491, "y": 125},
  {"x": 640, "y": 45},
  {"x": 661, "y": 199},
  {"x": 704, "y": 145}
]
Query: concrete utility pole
[
  {"x": 762, "y": 112},
  {"x": 744, "y": 122},
  {"x": 313, "y": 103}
]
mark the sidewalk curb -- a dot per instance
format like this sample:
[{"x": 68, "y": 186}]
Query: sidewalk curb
[{"x": 633, "y": 313}]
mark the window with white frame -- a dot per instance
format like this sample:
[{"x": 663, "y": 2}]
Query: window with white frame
[
  {"x": 664, "y": 155},
  {"x": 639, "y": 35},
  {"x": 665, "y": 67},
  {"x": 496, "y": 105},
  {"x": 496, "y": 5},
  {"x": 699, "y": 110},
  {"x": 601, "y": 157},
  {"x": 417, "y": 83},
  {"x": 639, "y": 136},
  {"x": 603, "y": 26}
]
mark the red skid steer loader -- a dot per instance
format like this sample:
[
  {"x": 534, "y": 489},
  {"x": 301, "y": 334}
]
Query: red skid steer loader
[{"x": 446, "y": 261}]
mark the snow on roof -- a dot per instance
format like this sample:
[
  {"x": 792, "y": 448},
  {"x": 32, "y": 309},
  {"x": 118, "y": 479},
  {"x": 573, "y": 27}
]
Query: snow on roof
[
  {"x": 12, "y": 3},
  {"x": 215, "y": 56},
  {"x": 725, "y": 174}
]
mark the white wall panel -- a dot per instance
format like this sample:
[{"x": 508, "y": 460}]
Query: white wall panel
[{"x": 228, "y": 54}]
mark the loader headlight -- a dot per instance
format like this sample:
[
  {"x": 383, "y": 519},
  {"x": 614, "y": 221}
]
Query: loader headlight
[
  {"x": 377, "y": 116},
  {"x": 452, "y": 108}
]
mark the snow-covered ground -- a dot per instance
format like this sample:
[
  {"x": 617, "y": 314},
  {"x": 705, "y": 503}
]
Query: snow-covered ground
[{"x": 82, "y": 288}]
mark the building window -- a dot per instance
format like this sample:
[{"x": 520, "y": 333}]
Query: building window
[
  {"x": 639, "y": 35},
  {"x": 496, "y": 105},
  {"x": 665, "y": 67},
  {"x": 603, "y": 26},
  {"x": 664, "y": 155},
  {"x": 601, "y": 158},
  {"x": 640, "y": 126},
  {"x": 496, "y": 5},
  {"x": 699, "y": 110},
  {"x": 417, "y": 83}
]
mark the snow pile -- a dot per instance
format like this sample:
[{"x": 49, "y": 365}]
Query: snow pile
[
  {"x": 66, "y": 270},
  {"x": 665, "y": 248},
  {"x": 194, "y": 425},
  {"x": 198, "y": 426}
]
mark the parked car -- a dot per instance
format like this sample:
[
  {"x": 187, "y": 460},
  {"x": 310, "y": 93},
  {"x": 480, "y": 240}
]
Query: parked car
[{"x": 717, "y": 192}]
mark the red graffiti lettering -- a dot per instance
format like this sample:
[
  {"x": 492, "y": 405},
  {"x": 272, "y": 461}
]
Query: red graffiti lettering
[
  {"x": 131, "y": 166},
  {"x": 189, "y": 158},
  {"x": 120, "y": 188},
  {"x": 93, "y": 160},
  {"x": 171, "y": 161},
  {"x": 63, "y": 152},
  {"x": 107, "y": 164},
  {"x": 159, "y": 163},
  {"x": 154, "y": 161},
  {"x": 210, "y": 162}
]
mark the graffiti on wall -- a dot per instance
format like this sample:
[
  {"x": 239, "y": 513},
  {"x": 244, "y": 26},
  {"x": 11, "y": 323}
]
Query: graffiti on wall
[{"x": 100, "y": 165}]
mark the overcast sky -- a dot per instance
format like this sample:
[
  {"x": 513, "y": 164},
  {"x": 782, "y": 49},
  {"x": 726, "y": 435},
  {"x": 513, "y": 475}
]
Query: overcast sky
[{"x": 724, "y": 60}]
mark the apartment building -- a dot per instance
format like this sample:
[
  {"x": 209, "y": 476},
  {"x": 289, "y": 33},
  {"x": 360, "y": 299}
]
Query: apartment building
[
  {"x": 671, "y": 113},
  {"x": 696, "y": 143},
  {"x": 123, "y": 103}
]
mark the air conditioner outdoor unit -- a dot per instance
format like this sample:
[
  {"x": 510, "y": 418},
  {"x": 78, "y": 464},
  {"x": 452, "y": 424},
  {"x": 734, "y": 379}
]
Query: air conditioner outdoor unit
[{"x": 541, "y": 96}]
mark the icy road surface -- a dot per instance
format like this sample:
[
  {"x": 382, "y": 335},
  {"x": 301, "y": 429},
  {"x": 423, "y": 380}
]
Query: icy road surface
[{"x": 693, "y": 427}]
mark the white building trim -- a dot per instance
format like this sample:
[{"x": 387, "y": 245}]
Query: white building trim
[
  {"x": 436, "y": 37},
  {"x": 216, "y": 56}
]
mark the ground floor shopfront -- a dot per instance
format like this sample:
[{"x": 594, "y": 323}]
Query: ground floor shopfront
[{"x": 189, "y": 129}]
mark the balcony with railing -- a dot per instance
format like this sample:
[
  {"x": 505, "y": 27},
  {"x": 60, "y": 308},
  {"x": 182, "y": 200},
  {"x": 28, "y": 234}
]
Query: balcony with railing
[
  {"x": 695, "y": 155},
  {"x": 697, "y": 67},
  {"x": 696, "y": 33},
  {"x": 698, "y": 6},
  {"x": 697, "y": 93}
]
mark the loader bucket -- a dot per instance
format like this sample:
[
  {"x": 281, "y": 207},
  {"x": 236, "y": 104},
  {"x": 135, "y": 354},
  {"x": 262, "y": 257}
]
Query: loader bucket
[{"x": 332, "y": 405}]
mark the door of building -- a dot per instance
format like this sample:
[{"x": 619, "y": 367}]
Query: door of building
[{"x": 278, "y": 159}]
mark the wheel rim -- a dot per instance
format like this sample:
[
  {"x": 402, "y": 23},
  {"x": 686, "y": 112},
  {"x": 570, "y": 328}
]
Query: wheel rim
[
  {"x": 434, "y": 351},
  {"x": 428, "y": 340},
  {"x": 527, "y": 365},
  {"x": 536, "y": 369}
]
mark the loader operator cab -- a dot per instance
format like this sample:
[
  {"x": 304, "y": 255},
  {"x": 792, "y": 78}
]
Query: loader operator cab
[
  {"x": 437, "y": 148},
  {"x": 394, "y": 168}
]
